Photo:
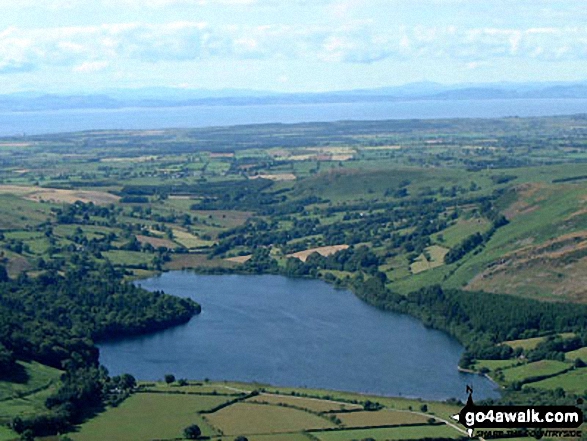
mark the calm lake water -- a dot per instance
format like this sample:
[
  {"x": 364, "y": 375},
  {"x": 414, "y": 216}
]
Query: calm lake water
[
  {"x": 294, "y": 332},
  {"x": 31, "y": 123}
]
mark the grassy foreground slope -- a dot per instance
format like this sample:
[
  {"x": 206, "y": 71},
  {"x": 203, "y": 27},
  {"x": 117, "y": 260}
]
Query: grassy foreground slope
[{"x": 24, "y": 393}]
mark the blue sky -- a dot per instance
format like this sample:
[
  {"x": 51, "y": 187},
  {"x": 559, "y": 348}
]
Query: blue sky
[{"x": 287, "y": 45}]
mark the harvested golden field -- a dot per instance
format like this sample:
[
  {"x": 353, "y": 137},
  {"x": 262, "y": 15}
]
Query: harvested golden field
[
  {"x": 39, "y": 194},
  {"x": 156, "y": 241},
  {"x": 324, "y": 251},
  {"x": 15, "y": 144},
  {"x": 238, "y": 259},
  {"x": 137, "y": 159},
  {"x": 276, "y": 177},
  {"x": 382, "y": 147}
]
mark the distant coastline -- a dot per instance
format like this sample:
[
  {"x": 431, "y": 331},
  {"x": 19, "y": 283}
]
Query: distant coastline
[{"x": 18, "y": 124}]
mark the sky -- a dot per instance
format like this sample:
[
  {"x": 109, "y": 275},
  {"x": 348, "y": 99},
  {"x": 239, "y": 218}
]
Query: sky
[{"x": 85, "y": 46}]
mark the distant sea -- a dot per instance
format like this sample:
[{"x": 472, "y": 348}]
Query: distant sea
[{"x": 57, "y": 121}]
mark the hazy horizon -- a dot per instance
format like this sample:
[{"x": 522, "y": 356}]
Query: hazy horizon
[{"x": 229, "y": 91}]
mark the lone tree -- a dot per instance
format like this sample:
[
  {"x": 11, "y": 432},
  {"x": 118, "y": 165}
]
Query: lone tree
[
  {"x": 169, "y": 378},
  {"x": 192, "y": 432}
]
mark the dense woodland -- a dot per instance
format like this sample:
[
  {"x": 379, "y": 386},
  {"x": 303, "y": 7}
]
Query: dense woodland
[{"x": 55, "y": 319}]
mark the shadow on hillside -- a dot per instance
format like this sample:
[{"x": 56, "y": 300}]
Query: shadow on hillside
[{"x": 16, "y": 374}]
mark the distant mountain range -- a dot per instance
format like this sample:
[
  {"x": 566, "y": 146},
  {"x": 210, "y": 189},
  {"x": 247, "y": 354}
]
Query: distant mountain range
[{"x": 176, "y": 97}]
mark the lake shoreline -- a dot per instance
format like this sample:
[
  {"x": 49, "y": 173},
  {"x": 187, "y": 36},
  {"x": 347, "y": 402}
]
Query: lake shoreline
[{"x": 393, "y": 342}]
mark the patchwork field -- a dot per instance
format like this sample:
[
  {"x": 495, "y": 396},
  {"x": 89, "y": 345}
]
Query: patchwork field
[{"x": 161, "y": 411}]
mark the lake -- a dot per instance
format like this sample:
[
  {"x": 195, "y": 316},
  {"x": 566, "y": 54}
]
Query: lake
[
  {"x": 294, "y": 332},
  {"x": 56, "y": 121}
]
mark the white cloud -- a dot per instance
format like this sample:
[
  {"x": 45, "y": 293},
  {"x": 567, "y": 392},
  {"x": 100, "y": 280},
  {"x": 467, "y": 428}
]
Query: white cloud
[
  {"x": 93, "y": 48},
  {"x": 91, "y": 66}
]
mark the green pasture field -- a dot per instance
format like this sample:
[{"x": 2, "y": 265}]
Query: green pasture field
[
  {"x": 35, "y": 375},
  {"x": 531, "y": 343},
  {"x": 39, "y": 246},
  {"x": 272, "y": 437},
  {"x": 574, "y": 381},
  {"x": 147, "y": 416},
  {"x": 15, "y": 263},
  {"x": 311, "y": 404},
  {"x": 89, "y": 231},
  {"x": 25, "y": 394},
  {"x": 436, "y": 254},
  {"x": 7, "y": 435},
  {"x": 494, "y": 365},
  {"x": 18, "y": 213},
  {"x": 395, "y": 433},
  {"x": 526, "y": 344},
  {"x": 225, "y": 218},
  {"x": 250, "y": 418},
  {"x": 535, "y": 369},
  {"x": 131, "y": 258},
  {"x": 463, "y": 228},
  {"x": 192, "y": 387},
  {"x": 380, "y": 418},
  {"x": 189, "y": 240},
  {"x": 548, "y": 173},
  {"x": 407, "y": 282},
  {"x": 356, "y": 184},
  {"x": 187, "y": 261},
  {"x": 23, "y": 235},
  {"x": 579, "y": 353}
]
